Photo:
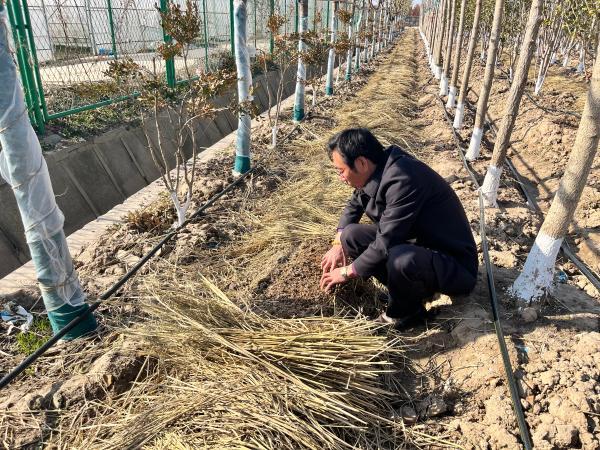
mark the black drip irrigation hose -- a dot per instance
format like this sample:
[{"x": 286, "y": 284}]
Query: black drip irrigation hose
[
  {"x": 512, "y": 384},
  {"x": 117, "y": 286},
  {"x": 592, "y": 277}
]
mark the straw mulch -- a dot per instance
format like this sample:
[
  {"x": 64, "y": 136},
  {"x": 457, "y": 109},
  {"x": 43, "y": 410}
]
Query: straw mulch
[{"x": 219, "y": 375}]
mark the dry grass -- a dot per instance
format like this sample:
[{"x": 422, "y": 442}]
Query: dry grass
[
  {"x": 229, "y": 378},
  {"x": 221, "y": 376}
]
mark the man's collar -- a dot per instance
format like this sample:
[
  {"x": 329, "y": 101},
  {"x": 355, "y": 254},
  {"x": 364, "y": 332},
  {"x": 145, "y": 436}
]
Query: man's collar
[{"x": 372, "y": 186}]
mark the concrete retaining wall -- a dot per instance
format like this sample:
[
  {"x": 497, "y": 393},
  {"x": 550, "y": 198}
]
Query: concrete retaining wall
[{"x": 90, "y": 178}]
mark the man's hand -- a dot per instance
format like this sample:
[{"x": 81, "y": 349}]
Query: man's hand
[
  {"x": 333, "y": 258},
  {"x": 330, "y": 279}
]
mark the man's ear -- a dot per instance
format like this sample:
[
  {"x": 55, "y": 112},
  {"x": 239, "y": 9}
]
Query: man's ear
[{"x": 361, "y": 164}]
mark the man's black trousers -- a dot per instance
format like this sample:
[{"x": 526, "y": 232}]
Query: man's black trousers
[{"x": 411, "y": 273}]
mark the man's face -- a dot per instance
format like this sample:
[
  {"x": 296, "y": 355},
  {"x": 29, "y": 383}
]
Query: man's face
[{"x": 356, "y": 177}]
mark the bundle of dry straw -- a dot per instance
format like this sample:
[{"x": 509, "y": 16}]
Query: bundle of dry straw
[{"x": 232, "y": 379}]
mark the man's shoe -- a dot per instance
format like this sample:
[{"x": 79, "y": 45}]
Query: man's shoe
[{"x": 404, "y": 323}]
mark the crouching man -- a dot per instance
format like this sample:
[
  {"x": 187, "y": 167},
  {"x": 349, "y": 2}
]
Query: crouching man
[{"x": 420, "y": 242}]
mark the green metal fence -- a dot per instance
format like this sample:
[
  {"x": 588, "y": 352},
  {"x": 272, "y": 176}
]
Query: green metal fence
[{"x": 63, "y": 47}]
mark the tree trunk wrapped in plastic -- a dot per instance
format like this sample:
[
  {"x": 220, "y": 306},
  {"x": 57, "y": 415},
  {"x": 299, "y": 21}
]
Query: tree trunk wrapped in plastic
[
  {"x": 24, "y": 169},
  {"x": 351, "y": 49},
  {"x": 331, "y": 59},
  {"x": 301, "y": 75},
  {"x": 242, "y": 63}
]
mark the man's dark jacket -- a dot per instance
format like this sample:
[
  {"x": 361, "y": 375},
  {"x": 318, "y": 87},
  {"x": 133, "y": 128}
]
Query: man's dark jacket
[{"x": 408, "y": 200}]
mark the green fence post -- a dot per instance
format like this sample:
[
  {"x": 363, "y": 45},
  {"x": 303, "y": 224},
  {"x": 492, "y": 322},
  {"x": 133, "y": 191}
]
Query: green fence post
[
  {"x": 296, "y": 23},
  {"x": 111, "y": 24},
  {"x": 20, "y": 58},
  {"x": 169, "y": 63},
  {"x": 36, "y": 67},
  {"x": 205, "y": 35},
  {"x": 272, "y": 40},
  {"x": 27, "y": 74},
  {"x": 231, "y": 37}
]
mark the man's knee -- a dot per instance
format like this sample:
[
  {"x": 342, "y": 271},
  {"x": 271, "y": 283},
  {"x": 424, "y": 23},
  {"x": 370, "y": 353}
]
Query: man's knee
[
  {"x": 349, "y": 233},
  {"x": 356, "y": 237},
  {"x": 406, "y": 261}
]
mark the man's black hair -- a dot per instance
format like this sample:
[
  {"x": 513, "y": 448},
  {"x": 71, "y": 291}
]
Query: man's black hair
[{"x": 354, "y": 142}]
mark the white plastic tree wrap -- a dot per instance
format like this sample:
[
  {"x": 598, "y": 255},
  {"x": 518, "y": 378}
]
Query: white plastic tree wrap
[
  {"x": 331, "y": 59},
  {"x": 23, "y": 166},
  {"x": 242, "y": 63},
  {"x": 301, "y": 74},
  {"x": 357, "y": 50},
  {"x": 351, "y": 49}
]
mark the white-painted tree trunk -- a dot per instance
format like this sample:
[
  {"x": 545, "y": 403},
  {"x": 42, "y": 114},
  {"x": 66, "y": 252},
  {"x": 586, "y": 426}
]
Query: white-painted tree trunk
[
  {"x": 274, "y": 136},
  {"x": 180, "y": 208},
  {"x": 474, "y": 145},
  {"x": 539, "y": 82},
  {"x": 439, "y": 37},
  {"x": 457, "y": 53},
  {"x": 581, "y": 65},
  {"x": 443, "y": 85},
  {"x": 536, "y": 278},
  {"x": 448, "y": 53},
  {"x": 451, "y": 97},
  {"x": 489, "y": 188},
  {"x": 535, "y": 281},
  {"x": 517, "y": 87},
  {"x": 488, "y": 78},
  {"x": 458, "y": 116}
]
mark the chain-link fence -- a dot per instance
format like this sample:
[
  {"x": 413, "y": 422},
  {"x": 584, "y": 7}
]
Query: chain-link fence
[{"x": 64, "y": 47}]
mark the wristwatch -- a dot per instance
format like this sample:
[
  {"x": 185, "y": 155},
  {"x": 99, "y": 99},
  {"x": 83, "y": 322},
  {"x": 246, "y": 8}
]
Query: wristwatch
[{"x": 344, "y": 273}]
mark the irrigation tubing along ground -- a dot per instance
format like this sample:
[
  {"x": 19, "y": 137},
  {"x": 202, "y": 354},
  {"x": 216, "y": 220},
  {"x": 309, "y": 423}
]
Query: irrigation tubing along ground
[
  {"x": 115, "y": 288},
  {"x": 532, "y": 204},
  {"x": 512, "y": 384}
]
